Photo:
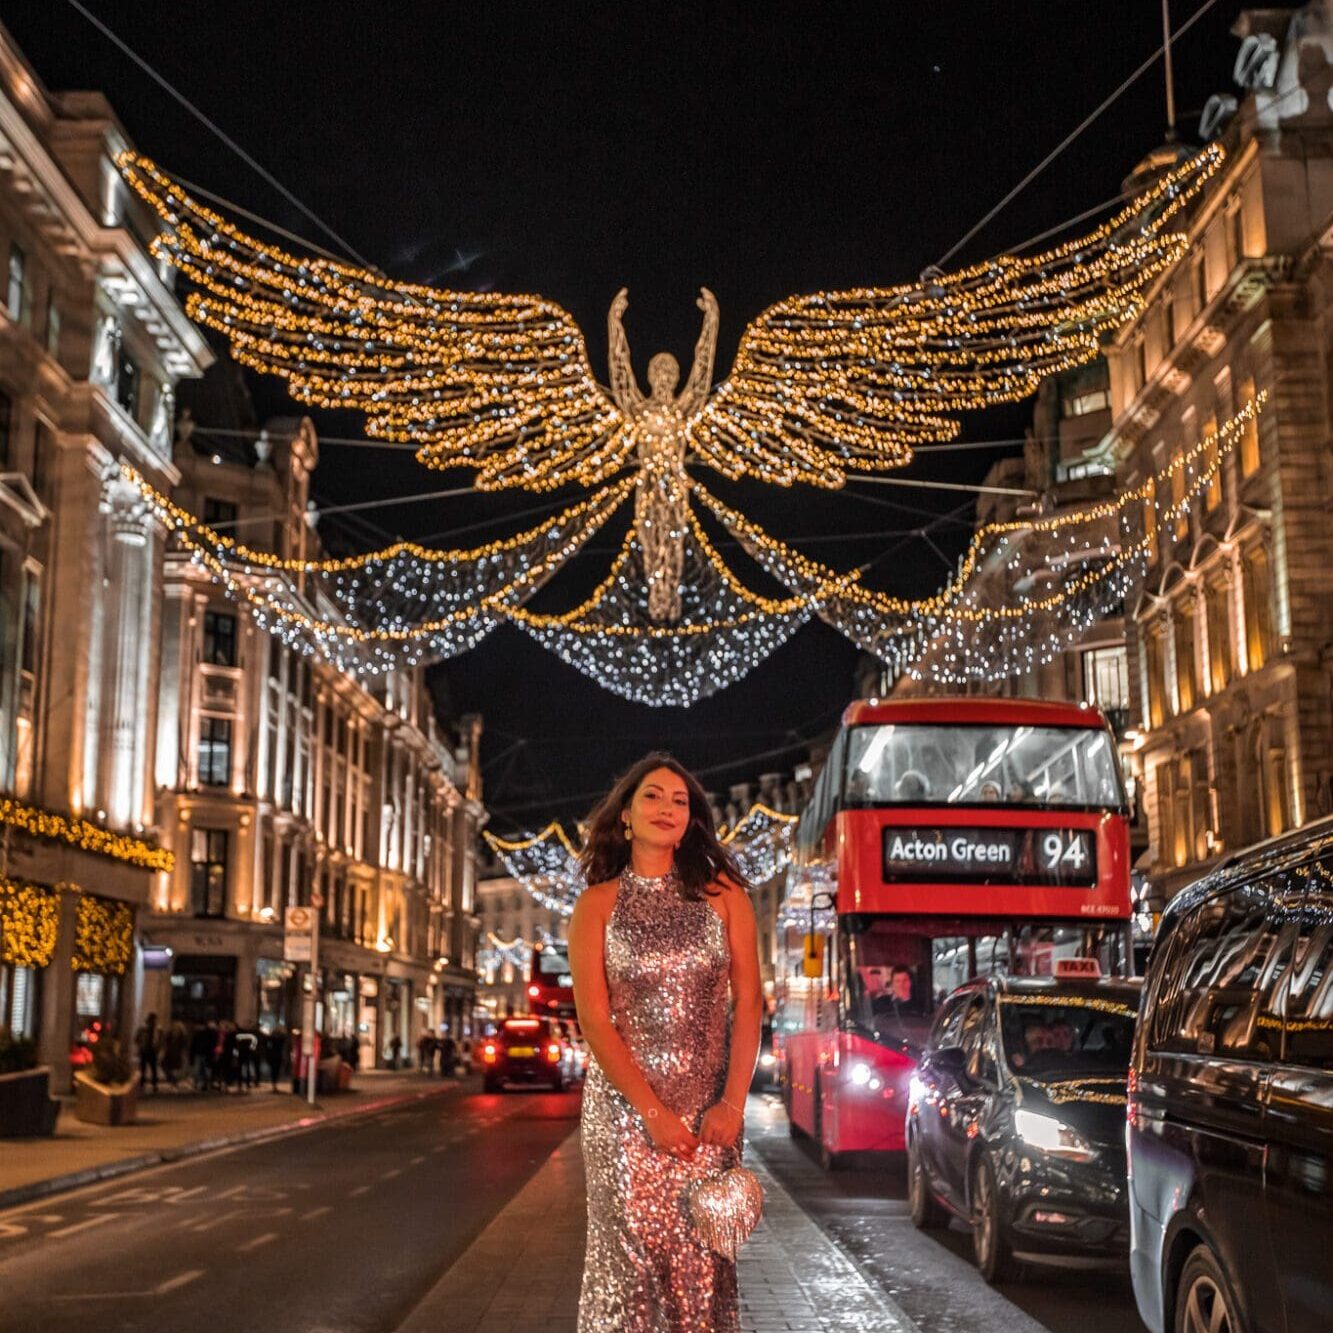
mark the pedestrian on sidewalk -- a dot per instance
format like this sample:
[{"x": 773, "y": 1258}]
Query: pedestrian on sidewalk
[
  {"x": 247, "y": 1057},
  {"x": 448, "y": 1055},
  {"x": 666, "y": 1084},
  {"x": 396, "y": 1051},
  {"x": 275, "y": 1053},
  {"x": 148, "y": 1042},
  {"x": 174, "y": 1051},
  {"x": 202, "y": 1039},
  {"x": 426, "y": 1052}
]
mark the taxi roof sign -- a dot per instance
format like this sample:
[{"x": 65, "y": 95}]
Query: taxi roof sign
[{"x": 1088, "y": 969}]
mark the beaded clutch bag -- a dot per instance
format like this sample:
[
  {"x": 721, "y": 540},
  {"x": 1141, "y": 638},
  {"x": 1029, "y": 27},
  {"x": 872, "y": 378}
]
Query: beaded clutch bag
[{"x": 725, "y": 1208}]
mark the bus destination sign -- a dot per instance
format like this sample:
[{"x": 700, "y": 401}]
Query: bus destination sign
[{"x": 989, "y": 856}]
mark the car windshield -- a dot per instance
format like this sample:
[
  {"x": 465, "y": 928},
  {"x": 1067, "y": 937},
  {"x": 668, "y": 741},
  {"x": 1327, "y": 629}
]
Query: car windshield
[
  {"x": 941, "y": 764},
  {"x": 524, "y": 1031},
  {"x": 1050, "y": 1038}
]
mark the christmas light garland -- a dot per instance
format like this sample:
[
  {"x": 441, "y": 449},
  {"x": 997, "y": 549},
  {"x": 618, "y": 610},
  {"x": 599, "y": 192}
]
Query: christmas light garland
[
  {"x": 103, "y": 935},
  {"x": 86, "y": 836},
  {"x": 546, "y": 863},
  {"x": 29, "y": 923}
]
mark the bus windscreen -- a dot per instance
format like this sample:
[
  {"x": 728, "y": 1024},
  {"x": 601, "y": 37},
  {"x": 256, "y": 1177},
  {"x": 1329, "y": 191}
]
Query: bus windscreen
[{"x": 1063, "y": 768}]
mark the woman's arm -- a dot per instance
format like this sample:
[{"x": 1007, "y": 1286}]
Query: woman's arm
[
  {"x": 587, "y": 931},
  {"x": 724, "y": 1121}
]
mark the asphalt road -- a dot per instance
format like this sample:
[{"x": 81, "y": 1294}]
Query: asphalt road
[
  {"x": 932, "y": 1276},
  {"x": 347, "y": 1227},
  {"x": 343, "y": 1228}
]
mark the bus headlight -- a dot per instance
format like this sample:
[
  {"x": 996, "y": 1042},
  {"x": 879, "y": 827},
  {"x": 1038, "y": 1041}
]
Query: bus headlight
[
  {"x": 860, "y": 1074},
  {"x": 1052, "y": 1136}
]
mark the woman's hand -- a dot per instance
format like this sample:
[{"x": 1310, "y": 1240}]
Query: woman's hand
[
  {"x": 722, "y": 1125},
  {"x": 670, "y": 1134}
]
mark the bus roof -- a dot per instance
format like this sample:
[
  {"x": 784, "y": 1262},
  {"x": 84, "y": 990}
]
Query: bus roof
[{"x": 973, "y": 711}]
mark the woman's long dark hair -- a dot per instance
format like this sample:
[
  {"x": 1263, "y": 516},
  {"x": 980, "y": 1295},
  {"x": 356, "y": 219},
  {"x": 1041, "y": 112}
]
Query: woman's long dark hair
[{"x": 701, "y": 859}]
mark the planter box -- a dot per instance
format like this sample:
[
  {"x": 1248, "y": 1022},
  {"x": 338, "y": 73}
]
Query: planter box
[
  {"x": 105, "y": 1103},
  {"x": 27, "y": 1109}
]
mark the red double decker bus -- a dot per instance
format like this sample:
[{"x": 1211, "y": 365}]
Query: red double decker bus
[
  {"x": 550, "y": 985},
  {"x": 944, "y": 838}
]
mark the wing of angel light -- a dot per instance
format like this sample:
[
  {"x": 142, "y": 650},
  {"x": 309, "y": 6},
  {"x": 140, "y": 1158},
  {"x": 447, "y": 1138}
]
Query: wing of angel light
[
  {"x": 492, "y": 382},
  {"x": 855, "y": 380}
]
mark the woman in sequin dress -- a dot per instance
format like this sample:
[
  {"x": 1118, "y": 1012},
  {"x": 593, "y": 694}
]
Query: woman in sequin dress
[{"x": 666, "y": 977}]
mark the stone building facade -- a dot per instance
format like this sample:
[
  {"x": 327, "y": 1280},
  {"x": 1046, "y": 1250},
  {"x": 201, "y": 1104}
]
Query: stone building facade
[
  {"x": 93, "y": 342},
  {"x": 1219, "y": 674},
  {"x": 282, "y": 780}
]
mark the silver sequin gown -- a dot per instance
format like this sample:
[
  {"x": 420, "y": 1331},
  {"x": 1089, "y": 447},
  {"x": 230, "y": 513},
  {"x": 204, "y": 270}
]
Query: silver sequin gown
[{"x": 667, "y": 967}]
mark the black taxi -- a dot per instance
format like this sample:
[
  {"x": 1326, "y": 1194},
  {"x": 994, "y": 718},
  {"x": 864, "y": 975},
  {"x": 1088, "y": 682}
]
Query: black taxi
[{"x": 1016, "y": 1119}]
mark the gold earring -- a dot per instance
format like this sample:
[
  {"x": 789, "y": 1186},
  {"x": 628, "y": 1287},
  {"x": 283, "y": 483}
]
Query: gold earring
[{"x": 629, "y": 833}]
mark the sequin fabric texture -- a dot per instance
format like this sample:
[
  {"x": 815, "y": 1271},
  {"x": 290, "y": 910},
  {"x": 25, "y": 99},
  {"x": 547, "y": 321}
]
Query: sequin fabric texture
[{"x": 646, "y": 1270}]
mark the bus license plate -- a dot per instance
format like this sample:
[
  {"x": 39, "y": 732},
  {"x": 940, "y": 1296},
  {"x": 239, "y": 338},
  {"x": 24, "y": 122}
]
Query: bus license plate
[{"x": 990, "y": 856}]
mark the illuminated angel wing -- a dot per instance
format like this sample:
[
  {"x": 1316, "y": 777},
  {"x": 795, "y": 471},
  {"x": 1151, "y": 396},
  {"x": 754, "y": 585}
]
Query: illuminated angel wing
[
  {"x": 850, "y": 381},
  {"x": 496, "y": 383}
]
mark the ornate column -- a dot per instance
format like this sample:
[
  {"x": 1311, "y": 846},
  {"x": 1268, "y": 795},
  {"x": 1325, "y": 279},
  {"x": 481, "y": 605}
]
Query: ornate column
[{"x": 126, "y": 651}]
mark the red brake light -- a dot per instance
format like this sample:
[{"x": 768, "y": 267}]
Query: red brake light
[
  {"x": 488, "y": 1052},
  {"x": 534, "y": 991}
]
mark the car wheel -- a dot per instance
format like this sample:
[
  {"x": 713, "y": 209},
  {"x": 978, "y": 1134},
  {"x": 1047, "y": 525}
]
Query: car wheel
[
  {"x": 830, "y": 1161},
  {"x": 927, "y": 1212},
  {"x": 1203, "y": 1301},
  {"x": 490, "y": 1083},
  {"x": 793, "y": 1129},
  {"x": 990, "y": 1227}
]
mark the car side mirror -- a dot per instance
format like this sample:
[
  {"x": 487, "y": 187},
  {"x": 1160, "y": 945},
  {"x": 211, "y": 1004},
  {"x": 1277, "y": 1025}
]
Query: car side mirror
[{"x": 948, "y": 1060}]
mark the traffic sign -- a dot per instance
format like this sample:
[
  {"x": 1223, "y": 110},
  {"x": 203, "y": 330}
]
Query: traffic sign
[{"x": 298, "y": 923}]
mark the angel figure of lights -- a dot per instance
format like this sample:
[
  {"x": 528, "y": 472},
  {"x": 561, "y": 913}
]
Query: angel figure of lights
[{"x": 823, "y": 386}]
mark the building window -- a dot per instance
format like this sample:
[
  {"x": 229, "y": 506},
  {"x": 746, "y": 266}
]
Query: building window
[
  {"x": 1258, "y": 608},
  {"x": 1180, "y": 510},
  {"x": 219, "y": 513},
  {"x": 19, "y": 296},
  {"x": 1083, "y": 404},
  {"x": 1249, "y": 434},
  {"x": 1184, "y": 641},
  {"x": 1271, "y": 768},
  {"x": 1154, "y": 669},
  {"x": 1198, "y": 282},
  {"x": 1182, "y": 802},
  {"x": 1150, "y": 520},
  {"x": 6, "y": 426},
  {"x": 32, "y": 613},
  {"x": 219, "y": 638},
  {"x": 1217, "y": 614},
  {"x": 127, "y": 382},
  {"x": 1106, "y": 678},
  {"x": 215, "y": 751},
  {"x": 1212, "y": 463},
  {"x": 1140, "y": 361},
  {"x": 208, "y": 871}
]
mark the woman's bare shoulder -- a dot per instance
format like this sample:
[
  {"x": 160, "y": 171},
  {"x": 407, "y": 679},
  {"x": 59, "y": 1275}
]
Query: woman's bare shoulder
[{"x": 600, "y": 898}]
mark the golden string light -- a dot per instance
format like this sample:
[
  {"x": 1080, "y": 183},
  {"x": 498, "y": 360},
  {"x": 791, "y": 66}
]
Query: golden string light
[
  {"x": 85, "y": 835},
  {"x": 29, "y": 923},
  {"x": 103, "y": 935}
]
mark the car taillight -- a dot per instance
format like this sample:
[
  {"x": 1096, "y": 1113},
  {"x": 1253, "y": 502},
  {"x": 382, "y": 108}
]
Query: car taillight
[
  {"x": 553, "y": 1052},
  {"x": 488, "y": 1053},
  {"x": 534, "y": 991}
]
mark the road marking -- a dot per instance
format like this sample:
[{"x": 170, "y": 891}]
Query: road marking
[
  {"x": 315, "y": 1212},
  {"x": 444, "y": 1147},
  {"x": 389, "y": 1175},
  {"x": 359, "y": 1191},
  {"x": 217, "y": 1220},
  {"x": 256, "y": 1242},
  {"x": 180, "y": 1280},
  {"x": 93, "y": 1221},
  {"x": 417, "y": 1161}
]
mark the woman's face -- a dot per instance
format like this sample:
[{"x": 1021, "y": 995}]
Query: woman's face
[{"x": 659, "y": 810}]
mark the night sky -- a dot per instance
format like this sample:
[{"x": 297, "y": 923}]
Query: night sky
[{"x": 572, "y": 149}]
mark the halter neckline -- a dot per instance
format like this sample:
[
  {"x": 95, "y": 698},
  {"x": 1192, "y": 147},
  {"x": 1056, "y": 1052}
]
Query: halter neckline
[{"x": 671, "y": 878}]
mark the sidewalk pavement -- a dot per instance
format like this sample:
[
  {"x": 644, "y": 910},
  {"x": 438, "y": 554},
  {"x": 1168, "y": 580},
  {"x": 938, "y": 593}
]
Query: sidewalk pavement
[
  {"x": 173, "y": 1125},
  {"x": 524, "y": 1270}
]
